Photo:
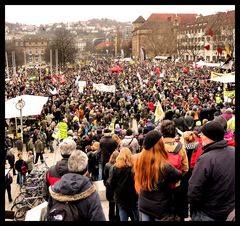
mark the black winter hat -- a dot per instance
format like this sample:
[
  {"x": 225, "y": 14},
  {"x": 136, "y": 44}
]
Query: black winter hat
[
  {"x": 151, "y": 138},
  {"x": 213, "y": 130}
]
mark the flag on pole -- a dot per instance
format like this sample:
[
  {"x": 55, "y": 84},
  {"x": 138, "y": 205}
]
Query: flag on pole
[
  {"x": 207, "y": 46},
  {"x": 228, "y": 63},
  {"x": 62, "y": 79},
  {"x": 159, "y": 114},
  {"x": 210, "y": 32},
  {"x": 219, "y": 50}
]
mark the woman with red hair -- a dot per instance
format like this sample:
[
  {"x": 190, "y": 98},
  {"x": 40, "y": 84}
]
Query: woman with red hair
[{"x": 155, "y": 175}]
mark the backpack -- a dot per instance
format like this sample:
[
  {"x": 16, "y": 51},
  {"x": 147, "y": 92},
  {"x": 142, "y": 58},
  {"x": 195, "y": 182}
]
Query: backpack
[
  {"x": 130, "y": 147},
  {"x": 175, "y": 158},
  {"x": 62, "y": 211}
]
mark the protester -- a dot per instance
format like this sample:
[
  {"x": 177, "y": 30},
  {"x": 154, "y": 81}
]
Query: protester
[
  {"x": 75, "y": 188},
  {"x": 211, "y": 190},
  {"x": 130, "y": 141},
  {"x": 121, "y": 181},
  {"x": 29, "y": 161},
  {"x": 107, "y": 146},
  {"x": 113, "y": 212},
  {"x": 39, "y": 149},
  {"x": 178, "y": 157},
  {"x": 66, "y": 147},
  {"x": 8, "y": 182},
  {"x": 155, "y": 175},
  {"x": 21, "y": 167}
]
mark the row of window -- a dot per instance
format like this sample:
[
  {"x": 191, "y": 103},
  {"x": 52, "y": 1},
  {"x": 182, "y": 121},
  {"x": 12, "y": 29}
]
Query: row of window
[
  {"x": 36, "y": 51},
  {"x": 207, "y": 38},
  {"x": 29, "y": 43}
]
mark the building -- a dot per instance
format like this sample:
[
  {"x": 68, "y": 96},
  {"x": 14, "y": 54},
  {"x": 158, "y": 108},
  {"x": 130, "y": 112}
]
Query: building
[
  {"x": 185, "y": 36},
  {"x": 157, "y": 34},
  {"x": 207, "y": 37},
  {"x": 34, "y": 47}
]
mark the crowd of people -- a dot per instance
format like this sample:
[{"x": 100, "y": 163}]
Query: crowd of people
[{"x": 152, "y": 170}]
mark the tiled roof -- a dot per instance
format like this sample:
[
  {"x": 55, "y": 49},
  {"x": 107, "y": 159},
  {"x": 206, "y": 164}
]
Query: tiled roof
[
  {"x": 160, "y": 17},
  {"x": 140, "y": 19}
]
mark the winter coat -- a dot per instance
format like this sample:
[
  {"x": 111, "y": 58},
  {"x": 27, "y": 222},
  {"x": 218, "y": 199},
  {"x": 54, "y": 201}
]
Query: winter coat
[
  {"x": 212, "y": 184},
  {"x": 19, "y": 163},
  {"x": 30, "y": 163},
  {"x": 54, "y": 174},
  {"x": 106, "y": 147},
  {"x": 109, "y": 191},
  {"x": 39, "y": 146},
  {"x": 78, "y": 188},
  {"x": 159, "y": 201},
  {"x": 121, "y": 181},
  {"x": 170, "y": 145},
  {"x": 134, "y": 143},
  {"x": 179, "y": 122},
  {"x": 19, "y": 144}
]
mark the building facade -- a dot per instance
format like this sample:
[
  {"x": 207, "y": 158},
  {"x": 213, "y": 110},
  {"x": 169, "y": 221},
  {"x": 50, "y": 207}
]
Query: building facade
[
  {"x": 185, "y": 36},
  {"x": 157, "y": 34},
  {"x": 208, "y": 37}
]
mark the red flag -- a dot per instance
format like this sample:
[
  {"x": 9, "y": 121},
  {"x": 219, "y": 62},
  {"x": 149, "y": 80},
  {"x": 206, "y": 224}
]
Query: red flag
[
  {"x": 219, "y": 50},
  {"x": 210, "y": 32},
  {"x": 62, "y": 80},
  {"x": 157, "y": 71},
  {"x": 207, "y": 47}
]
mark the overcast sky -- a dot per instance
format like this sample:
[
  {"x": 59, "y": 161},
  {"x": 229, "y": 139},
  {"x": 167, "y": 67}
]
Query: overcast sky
[{"x": 44, "y": 14}]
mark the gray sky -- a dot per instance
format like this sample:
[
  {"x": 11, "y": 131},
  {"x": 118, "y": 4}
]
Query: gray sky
[{"x": 44, "y": 14}]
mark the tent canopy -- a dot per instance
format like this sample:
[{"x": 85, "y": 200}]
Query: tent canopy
[{"x": 32, "y": 106}]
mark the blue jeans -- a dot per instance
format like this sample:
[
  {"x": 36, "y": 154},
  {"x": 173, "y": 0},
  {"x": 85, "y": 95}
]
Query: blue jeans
[
  {"x": 125, "y": 212},
  {"x": 200, "y": 216},
  {"x": 146, "y": 217},
  {"x": 21, "y": 178}
]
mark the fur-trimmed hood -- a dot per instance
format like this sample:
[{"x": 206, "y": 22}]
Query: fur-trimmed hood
[{"x": 72, "y": 187}]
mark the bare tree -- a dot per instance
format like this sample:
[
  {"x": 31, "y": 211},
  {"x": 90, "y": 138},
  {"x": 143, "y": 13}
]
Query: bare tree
[
  {"x": 160, "y": 42},
  {"x": 9, "y": 47},
  {"x": 64, "y": 41}
]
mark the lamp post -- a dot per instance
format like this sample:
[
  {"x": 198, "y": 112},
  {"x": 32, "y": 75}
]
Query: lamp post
[{"x": 20, "y": 105}]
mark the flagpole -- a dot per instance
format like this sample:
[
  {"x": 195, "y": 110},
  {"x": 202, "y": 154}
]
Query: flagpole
[
  {"x": 56, "y": 54},
  {"x": 25, "y": 62},
  {"x": 7, "y": 64},
  {"x": 51, "y": 61}
]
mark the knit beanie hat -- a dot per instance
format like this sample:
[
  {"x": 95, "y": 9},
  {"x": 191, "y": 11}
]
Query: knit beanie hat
[
  {"x": 151, "y": 138},
  {"x": 213, "y": 130}
]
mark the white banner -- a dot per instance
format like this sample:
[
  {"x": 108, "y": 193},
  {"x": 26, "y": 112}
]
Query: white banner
[
  {"x": 104, "y": 88},
  {"x": 81, "y": 85}
]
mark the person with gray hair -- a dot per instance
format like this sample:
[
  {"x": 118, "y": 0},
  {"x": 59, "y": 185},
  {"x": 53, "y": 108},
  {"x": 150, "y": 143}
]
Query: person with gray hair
[
  {"x": 78, "y": 191},
  {"x": 66, "y": 147}
]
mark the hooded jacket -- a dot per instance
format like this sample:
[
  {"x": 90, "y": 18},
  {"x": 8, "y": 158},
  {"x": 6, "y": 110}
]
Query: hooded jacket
[
  {"x": 212, "y": 184},
  {"x": 54, "y": 174},
  {"x": 77, "y": 188}
]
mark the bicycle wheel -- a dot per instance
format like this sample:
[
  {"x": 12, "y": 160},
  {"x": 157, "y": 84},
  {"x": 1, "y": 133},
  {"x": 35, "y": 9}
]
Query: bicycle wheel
[
  {"x": 20, "y": 214},
  {"x": 17, "y": 206}
]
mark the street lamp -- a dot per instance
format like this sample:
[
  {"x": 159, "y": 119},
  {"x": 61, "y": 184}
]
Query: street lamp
[{"x": 20, "y": 105}]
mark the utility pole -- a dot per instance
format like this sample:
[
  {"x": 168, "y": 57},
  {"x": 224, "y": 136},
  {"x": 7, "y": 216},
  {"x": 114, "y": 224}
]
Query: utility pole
[{"x": 56, "y": 55}]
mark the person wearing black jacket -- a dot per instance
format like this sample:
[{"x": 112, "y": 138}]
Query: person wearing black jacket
[
  {"x": 78, "y": 190},
  {"x": 107, "y": 146},
  {"x": 211, "y": 191},
  {"x": 55, "y": 173}
]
